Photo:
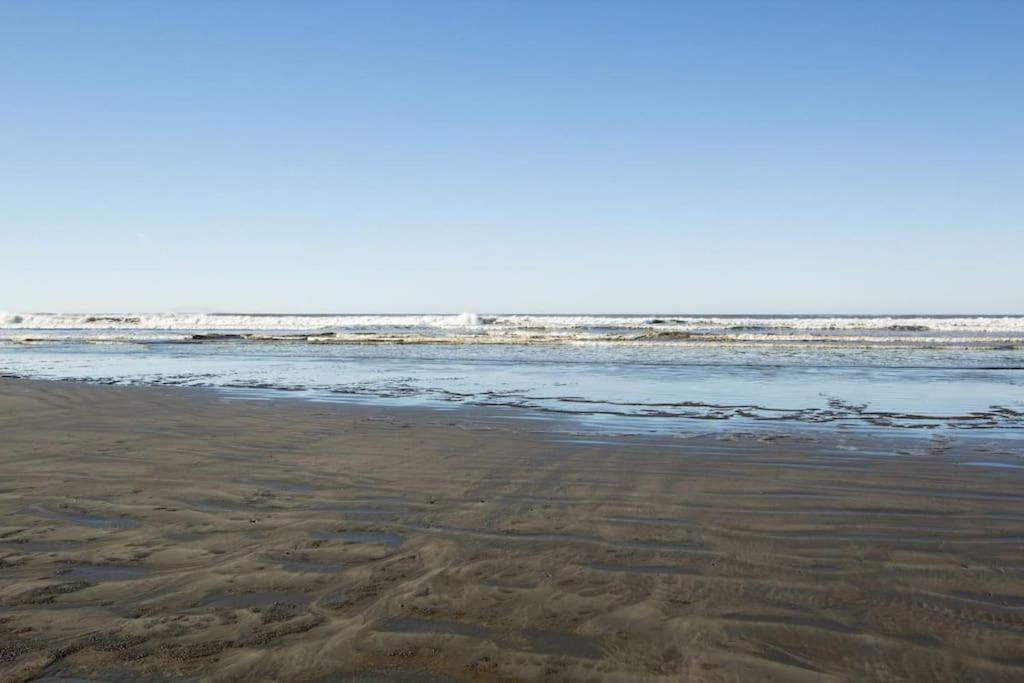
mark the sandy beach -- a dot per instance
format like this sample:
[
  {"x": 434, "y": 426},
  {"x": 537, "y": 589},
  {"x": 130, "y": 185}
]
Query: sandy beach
[
  {"x": 498, "y": 342},
  {"x": 170, "y": 534}
]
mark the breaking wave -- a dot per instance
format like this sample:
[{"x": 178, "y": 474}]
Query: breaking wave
[{"x": 998, "y": 332}]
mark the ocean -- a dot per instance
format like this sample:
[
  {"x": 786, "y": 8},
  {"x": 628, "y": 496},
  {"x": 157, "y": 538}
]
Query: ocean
[{"x": 670, "y": 373}]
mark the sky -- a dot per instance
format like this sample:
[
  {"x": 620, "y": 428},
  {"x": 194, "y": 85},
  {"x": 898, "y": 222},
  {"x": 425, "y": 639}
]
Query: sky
[{"x": 500, "y": 156}]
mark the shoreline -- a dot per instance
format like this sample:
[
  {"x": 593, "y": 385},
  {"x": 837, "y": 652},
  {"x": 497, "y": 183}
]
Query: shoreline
[
  {"x": 167, "y": 531},
  {"x": 672, "y": 420}
]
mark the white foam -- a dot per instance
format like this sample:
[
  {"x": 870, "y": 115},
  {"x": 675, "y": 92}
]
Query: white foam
[
  {"x": 217, "y": 321},
  {"x": 510, "y": 328}
]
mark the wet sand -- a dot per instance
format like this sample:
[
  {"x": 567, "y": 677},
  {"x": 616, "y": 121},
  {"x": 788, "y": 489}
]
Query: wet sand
[{"x": 167, "y": 534}]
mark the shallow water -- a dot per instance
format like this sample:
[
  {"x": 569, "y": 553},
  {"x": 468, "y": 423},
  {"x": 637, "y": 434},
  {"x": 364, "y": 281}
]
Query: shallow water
[
  {"x": 964, "y": 374},
  {"x": 255, "y": 599},
  {"x": 96, "y": 573},
  {"x": 305, "y": 567},
  {"x": 563, "y": 644}
]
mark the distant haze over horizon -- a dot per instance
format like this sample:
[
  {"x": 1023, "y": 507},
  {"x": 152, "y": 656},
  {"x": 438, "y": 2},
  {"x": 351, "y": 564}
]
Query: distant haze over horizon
[{"x": 731, "y": 158}]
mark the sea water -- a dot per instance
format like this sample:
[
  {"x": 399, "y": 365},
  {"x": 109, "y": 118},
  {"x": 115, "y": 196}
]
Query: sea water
[{"x": 665, "y": 372}]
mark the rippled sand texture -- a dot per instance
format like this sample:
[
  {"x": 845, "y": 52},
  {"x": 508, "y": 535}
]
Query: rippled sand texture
[{"x": 164, "y": 534}]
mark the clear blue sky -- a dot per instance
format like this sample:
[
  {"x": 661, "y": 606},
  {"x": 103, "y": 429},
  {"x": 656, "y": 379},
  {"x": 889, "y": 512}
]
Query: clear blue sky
[{"x": 512, "y": 156}]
